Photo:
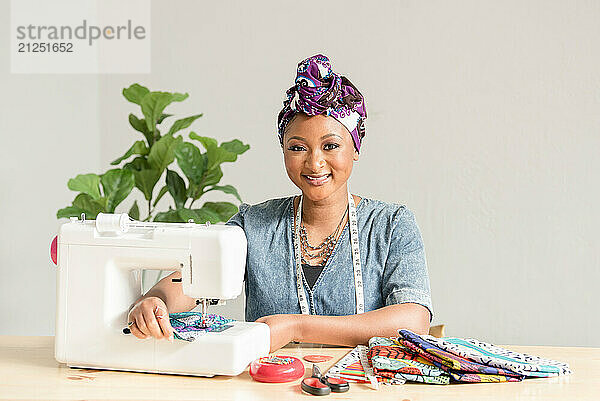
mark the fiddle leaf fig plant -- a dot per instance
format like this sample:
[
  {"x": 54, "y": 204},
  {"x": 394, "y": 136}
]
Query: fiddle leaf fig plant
[{"x": 149, "y": 159}]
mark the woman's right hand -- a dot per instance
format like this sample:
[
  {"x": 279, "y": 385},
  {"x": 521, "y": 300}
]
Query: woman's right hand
[{"x": 150, "y": 318}]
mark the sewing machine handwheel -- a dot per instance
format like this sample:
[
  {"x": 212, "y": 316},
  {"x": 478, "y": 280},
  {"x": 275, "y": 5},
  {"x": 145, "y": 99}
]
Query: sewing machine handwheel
[{"x": 54, "y": 250}]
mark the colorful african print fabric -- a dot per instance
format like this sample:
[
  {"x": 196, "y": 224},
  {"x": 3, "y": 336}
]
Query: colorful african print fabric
[
  {"x": 459, "y": 368},
  {"x": 319, "y": 90},
  {"x": 351, "y": 369},
  {"x": 392, "y": 360},
  {"x": 492, "y": 355},
  {"x": 190, "y": 325},
  {"x": 428, "y": 359}
]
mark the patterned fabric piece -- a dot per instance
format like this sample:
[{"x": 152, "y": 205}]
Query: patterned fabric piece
[
  {"x": 351, "y": 369},
  {"x": 422, "y": 358},
  {"x": 450, "y": 362},
  {"x": 390, "y": 359},
  {"x": 445, "y": 379},
  {"x": 491, "y": 355},
  {"x": 481, "y": 377},
  {"x": 319, "y": 90},
  {"x": 189, "y": 325}
]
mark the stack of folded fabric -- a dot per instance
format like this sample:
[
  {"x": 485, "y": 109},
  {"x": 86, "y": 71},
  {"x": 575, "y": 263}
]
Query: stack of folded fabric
[
  {"x": 433, "y": 360},
  {"x": 392, "y": 360}
]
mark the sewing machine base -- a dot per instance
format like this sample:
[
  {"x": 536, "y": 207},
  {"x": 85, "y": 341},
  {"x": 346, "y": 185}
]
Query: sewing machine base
[{"x": 221, "y": 353}]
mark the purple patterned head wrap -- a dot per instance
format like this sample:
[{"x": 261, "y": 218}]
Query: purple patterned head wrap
[{"x": 319, "y": 90}]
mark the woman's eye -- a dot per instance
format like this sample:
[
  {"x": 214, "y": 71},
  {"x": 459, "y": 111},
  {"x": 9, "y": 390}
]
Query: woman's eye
[{"x": 298, "y": 148}]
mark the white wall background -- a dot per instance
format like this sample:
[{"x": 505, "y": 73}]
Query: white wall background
[{"x": 483, "y": 118}]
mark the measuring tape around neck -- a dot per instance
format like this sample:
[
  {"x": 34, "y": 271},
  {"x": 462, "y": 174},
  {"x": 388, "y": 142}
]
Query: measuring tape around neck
[{"x": 358, "y": 282}]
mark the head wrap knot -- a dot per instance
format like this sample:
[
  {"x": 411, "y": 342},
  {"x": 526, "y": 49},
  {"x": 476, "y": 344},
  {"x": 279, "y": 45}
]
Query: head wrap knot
[{"x": 319, "y": 90}]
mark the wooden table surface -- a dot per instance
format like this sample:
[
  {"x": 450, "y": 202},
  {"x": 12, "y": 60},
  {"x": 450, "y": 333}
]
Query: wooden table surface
[{"x": 28, "y": 370}]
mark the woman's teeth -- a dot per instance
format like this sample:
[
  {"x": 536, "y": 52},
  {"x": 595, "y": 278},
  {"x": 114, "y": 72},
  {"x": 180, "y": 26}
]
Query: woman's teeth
[{"x": 319, "y": 180}]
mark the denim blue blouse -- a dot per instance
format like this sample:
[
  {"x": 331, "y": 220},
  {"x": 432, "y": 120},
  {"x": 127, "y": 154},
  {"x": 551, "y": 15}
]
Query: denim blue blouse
[{"x": 392, "y": 256}]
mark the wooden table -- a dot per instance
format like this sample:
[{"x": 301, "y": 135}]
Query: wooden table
[{"x": 28, "y": 370}]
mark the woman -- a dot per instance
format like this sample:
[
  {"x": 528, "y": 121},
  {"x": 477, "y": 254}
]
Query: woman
[{"x": 368, "y": 275}]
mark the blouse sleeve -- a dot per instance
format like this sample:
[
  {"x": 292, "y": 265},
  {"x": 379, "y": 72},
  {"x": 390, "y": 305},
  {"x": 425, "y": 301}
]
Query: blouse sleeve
[
  {"x": 405, "y": 277},
  {"x": 238, "y": 218}
]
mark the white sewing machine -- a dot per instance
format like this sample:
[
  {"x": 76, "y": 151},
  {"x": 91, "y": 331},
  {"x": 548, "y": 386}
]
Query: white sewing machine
[{"x": 99, "y": 277}]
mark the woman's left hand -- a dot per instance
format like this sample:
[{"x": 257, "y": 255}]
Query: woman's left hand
[{"x": 284, "y": 329}]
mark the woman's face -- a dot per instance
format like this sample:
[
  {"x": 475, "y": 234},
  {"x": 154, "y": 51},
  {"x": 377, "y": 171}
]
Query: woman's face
[{"x": 318, "y": 152}]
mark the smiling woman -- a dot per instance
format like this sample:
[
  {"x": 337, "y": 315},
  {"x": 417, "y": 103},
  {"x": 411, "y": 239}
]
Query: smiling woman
[
  {"x": 327, "y": 266},
  {"x": 368, "y": 273},
  {"x": 318, "y": 164}
]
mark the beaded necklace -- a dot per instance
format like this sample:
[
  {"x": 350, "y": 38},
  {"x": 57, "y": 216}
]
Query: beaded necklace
[{"x": 325, "y": 248}]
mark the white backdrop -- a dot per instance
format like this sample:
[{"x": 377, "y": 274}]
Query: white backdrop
[{"x": 482, "y": 119}]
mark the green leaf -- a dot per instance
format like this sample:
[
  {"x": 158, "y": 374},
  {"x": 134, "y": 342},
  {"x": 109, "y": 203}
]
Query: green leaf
[
  {"x": 145, "y": 180},
  {"x": 162, "y": 192},
  {"x": 228, "y": 189},
  {"x": 222, "y": 155},
  {"x": 210, "y": 144},
  {"x": 140, "y": 125},
  {"x": 86, "y": 183},
  {"x": 137, "y": 164},
  {"x": 154, "y": 103},
  {"x": 162, "y": 117},
  {"x": 223, "y": 209},
  {"x": 91, "y": 207},
  {"x": 69, "y": 211},
  {"x": 176, "y": 188},
  {"x": 138, "y": 148},
  {"x": 117, "y": 185},
  {"x": 137, "y": 124},
  {"x": 163, "y": 152},
  {"x": 156, "y": 135},
  {"x": 187, "y": 214},
  {"x": 190, "y": 161},
  {"x": 236, "y": 146},
  {"x": 135, "y": 93},
  {"x": 170, "y": 216},
  {"x": 191, "y": 191},
  {"x": 216, "y": 154},
  {"x": 199, "y": 215},
  {"x": 212, "y": 149},
  {"x": 212, "y": 177},
  {"x": 183, "y": 123},
  {"x": 134, "y": 212}
]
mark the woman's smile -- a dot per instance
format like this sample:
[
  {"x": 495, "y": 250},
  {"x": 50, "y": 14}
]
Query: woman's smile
[{"x": 317, "y": 179}]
